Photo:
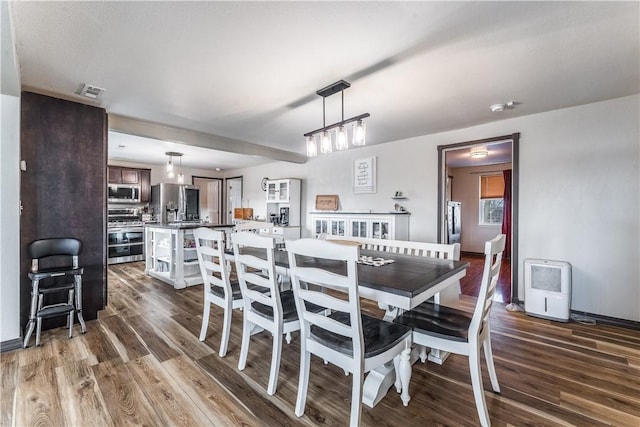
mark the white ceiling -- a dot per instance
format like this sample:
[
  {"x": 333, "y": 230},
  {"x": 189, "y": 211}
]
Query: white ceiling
[{"x": 248, "y": 71}]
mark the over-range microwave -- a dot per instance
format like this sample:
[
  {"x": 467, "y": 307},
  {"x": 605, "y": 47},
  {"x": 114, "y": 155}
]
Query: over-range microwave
[{"x": 123, "y": 193}]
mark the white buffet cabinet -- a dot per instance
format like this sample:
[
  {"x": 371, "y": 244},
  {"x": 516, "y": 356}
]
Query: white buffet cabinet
[
  {"x": 171, "y": 255},
  {"x": 376, "y": 225}
]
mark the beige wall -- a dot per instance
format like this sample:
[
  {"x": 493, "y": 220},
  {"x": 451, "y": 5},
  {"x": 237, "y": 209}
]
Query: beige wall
[{"x": 465, "y": 188}]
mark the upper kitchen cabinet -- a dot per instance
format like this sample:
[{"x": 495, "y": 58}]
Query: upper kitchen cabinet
[
  {"x": 131, "y": 176},
  {"x": 145, "y": 185},
  {"x": 120, "y": 175},
  {"x": 282, "y": 190}
]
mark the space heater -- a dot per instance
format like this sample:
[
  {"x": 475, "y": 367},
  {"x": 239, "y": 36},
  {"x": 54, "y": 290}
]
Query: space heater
[{"x": 547, "y": 289}]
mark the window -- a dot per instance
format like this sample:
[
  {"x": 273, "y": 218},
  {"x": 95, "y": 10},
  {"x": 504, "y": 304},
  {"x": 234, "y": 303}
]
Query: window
[{"x": 491, "y": 201}]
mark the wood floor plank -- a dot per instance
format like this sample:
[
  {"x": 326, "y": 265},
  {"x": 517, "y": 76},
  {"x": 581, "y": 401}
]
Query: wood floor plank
[
  {"x": 165, "y": 395},
  {"x": 10, "y": 366},
  {"x": 99, "y": 346},
  {"x": 37, "y": 401},
  {"x": 123, "y": 338},
  {"x": 217, "y": 403},
  {"x": 125, "y": 402},
  {"x": 81, "y": 399},
  {"x": 154, "y": 339}
]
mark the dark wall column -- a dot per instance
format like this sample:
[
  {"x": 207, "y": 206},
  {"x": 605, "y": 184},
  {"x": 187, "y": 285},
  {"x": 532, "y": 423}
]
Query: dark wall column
[{"x": 63, "y": 190}]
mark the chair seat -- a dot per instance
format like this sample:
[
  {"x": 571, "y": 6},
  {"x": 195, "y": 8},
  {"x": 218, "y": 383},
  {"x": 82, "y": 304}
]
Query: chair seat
[
  {"x": 438, "y": 321},
  {"x": 289, "y": 312},
  {"x": 379, "y": 335},
  {"x": 236, "y": 292}
]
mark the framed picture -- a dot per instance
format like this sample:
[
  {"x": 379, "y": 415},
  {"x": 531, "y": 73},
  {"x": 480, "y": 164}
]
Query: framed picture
[{"x": 364, "y": 175}]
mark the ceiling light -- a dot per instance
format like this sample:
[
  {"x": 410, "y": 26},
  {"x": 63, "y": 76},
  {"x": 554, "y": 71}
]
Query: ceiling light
[
  {"x": 479, "y": 151},
  {"x": 342, "y": 138}
]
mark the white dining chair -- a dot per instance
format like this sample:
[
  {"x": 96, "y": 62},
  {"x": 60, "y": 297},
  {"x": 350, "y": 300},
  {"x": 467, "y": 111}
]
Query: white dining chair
[
  {"x": 455, "y": 331},
  {"x": 265, "y": 306},
  {"x": 218, "y": 287},
  {"x": 347, "y": 338}
]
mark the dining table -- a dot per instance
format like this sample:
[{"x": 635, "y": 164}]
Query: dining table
[{"x": 397, "y": 282}]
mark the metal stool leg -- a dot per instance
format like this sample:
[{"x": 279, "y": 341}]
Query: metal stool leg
[
  {"x": 32, "y": 314},
  {"x": 38, "y": 328},
  {"x": 70, "y": 315},
  {"x": 78, "y": 281}
]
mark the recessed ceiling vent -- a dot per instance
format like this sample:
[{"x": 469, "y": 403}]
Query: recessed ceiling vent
[{"x": 90, "y": 91}]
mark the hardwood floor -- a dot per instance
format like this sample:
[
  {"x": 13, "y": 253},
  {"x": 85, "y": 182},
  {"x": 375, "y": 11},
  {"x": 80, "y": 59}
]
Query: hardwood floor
[
  {"x": 470, "y": 283},
  {"x": 141, "y": 363}
]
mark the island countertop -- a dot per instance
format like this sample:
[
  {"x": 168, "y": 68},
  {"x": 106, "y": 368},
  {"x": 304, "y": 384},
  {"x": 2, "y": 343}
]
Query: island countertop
[{"x": 187, "y": 225}]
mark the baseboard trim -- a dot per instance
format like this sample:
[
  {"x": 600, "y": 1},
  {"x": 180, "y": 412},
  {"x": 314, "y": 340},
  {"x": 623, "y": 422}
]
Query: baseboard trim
[
  {"x": 606, "y": 320},
  {"x": 9, "y": 345}
]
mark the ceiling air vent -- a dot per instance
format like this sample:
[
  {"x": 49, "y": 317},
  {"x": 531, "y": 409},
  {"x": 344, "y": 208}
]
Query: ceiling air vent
[{"x": 90, "y": 91}]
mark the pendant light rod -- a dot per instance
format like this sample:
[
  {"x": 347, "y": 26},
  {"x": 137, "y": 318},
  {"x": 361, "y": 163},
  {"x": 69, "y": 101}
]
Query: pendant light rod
[{"x": 337, "y": 124}]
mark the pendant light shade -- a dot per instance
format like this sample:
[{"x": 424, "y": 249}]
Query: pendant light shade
[
  {"x": 312, "y": 147},
  {"x": 479, "y": 151},
  {"x": 359, "y": 133},
  {"x": 325, "y": 143},
  {"x": 170, "y": 167},
  {"x": 342, "y": 142}
]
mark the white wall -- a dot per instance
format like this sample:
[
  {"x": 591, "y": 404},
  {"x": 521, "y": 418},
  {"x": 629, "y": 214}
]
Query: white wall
[
  {"x": 9, "y": 218},
  {"x": 579, "y": 193}
]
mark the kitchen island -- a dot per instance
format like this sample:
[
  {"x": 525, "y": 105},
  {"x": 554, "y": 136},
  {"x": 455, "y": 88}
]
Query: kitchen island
[{"x": 171, "y": 254}]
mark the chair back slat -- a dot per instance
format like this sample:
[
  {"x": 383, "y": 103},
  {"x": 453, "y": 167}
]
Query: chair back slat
[
  {"x": 493, "y": 250},
  {"x": 346, "y": 301},
  {"x": 254, "y": 271},
  {"x": 214, "y": 267}
]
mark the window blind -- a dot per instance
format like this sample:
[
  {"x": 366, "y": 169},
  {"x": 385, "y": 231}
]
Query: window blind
[{"x": 491, "y": 187}]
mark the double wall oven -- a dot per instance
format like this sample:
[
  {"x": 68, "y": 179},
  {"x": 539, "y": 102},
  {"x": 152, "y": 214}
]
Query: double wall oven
[{"x": 125, "y": 235}]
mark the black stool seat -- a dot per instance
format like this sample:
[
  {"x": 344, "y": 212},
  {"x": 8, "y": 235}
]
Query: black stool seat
[
  {"x": 438, "y": 321},
  {"x": 55, "y": 272},
  {"x": 55, "y": 310}
]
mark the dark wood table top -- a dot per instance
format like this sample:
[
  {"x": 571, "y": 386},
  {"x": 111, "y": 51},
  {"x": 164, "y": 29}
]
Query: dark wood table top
[{"x": 408, "y": 276}]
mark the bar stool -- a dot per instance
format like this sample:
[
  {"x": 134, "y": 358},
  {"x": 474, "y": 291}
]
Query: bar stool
[{"x": 58, "y": 280}]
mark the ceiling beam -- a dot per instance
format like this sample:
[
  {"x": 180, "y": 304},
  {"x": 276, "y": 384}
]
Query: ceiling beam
[{"x": 146, "y": 129}]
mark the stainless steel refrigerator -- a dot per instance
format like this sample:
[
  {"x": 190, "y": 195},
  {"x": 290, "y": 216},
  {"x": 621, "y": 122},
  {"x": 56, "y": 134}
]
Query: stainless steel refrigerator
[
  {"x": 454, "y": 223},
  {"x": 175, "y": 202}
]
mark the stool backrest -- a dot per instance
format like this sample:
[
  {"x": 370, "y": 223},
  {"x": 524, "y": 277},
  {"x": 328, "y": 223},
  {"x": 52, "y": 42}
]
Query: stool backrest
[{"x": 44, "y": 248}]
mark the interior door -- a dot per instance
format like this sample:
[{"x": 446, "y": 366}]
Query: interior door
[
  {"x": 210, "y": 199},
  {"x": 234, "y": 196}
]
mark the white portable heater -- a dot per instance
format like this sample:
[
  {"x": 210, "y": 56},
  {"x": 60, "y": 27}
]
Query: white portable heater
[{"x": 547, "y": 289}]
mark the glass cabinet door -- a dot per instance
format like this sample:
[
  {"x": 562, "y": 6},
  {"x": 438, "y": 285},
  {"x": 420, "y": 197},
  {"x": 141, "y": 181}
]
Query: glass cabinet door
[
  {"x": 380, "y": 229},
  {"x": 338, "y": 227},
  {"x": 272, "y": 191},
  {"x": 358, "y": 228},
  {"x": 321, "y": 226},
  {"x": 283, "y": 191}
]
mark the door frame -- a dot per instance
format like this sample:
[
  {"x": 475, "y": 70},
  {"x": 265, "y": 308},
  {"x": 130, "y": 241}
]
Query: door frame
[
  {"x": 221, "y": 181},
  {"x": 226, "y": 196},
  {"x": 515, "y": 172}
]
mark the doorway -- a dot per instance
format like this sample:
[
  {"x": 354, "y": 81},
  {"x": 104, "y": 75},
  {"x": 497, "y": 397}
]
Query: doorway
[
  {"x": 457, "y": 155},
  {"x": 233, "y": 197},
  {"x": 210, "y": 198}
]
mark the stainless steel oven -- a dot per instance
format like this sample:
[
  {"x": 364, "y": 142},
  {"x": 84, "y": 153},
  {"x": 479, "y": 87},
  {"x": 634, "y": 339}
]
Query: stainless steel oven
[{"x": 126, "y": 244}]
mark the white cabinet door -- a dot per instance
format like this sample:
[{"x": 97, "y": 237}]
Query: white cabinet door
[
  {"x": 272, "y": 191},
  {"x": 320, "y": 226}
]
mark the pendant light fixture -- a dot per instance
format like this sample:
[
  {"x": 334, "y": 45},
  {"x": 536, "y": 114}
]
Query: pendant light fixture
[
  {"x": 341, "y": 136},
  {"x": 171, "y": 168}
]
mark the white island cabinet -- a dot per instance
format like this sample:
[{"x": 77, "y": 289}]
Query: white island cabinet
[{"x": 171, "y": 254}]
